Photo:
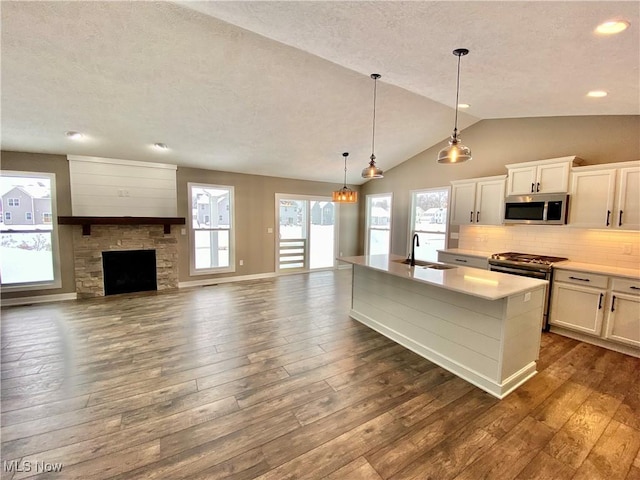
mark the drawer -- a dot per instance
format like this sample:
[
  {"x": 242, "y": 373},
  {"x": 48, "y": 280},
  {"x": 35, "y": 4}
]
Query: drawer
[
  {"x": 626, "y": 285},
  {"x": 581, "y": 278},
  {"x": 463, "y": 260}
]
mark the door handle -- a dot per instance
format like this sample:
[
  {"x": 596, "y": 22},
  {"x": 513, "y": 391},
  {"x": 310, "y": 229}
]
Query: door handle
[
  {"x": 613, "y": 303},
  {"x": 538, "y": 187},
  {"x": 608, "y": 217},
  {"x": 477, "y": 217},
  {"x": 620, "y": 219},
  {"x": 533, "y": 186},
  {"x": 471, "y": 217},
  {"x": 600, "y": 301}
]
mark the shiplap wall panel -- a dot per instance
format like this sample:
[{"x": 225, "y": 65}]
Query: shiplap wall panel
[{"x": 106, "y": 187}]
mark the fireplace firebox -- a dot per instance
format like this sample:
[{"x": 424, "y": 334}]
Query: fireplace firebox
[{"x": 127, "y": 271}]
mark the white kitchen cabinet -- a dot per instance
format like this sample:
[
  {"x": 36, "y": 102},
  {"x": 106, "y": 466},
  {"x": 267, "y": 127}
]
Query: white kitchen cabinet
[
  {"x": 542, "y": 176},
  {"x": 601, "y": 309},
  {"x": 605, "y": 197},
  {"x": 478, "y": 201},
  {"x": 623, "y": 316},
  {"x": 464, "y": 260},
  {"x": 577, "y": 307}
]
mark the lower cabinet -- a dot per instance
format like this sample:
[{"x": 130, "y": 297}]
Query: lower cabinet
[
  {"x": 463, "y": 260},
  {"x": 599, "y": 306}
]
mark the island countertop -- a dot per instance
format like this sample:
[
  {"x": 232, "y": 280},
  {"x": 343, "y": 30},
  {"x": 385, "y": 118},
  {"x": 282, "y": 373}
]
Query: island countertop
[{"x": 471, "y": 281}]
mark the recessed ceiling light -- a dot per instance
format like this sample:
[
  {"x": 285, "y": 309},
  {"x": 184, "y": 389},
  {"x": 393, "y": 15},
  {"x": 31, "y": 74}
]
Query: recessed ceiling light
[
  {"x": 463, "y": 105},
  {"x": 612, "y": 27},
  {"x": 73, "y": 135},
  {"x": 160, "y": 146},
  {"x": 597, "y": 93}
]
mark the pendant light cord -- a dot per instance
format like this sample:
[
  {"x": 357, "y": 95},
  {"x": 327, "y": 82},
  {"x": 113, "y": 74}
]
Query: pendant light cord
[
  {"x": 373, "y": 135},
  {"x": 455, "y": 125},
  {"x": 345, "y": 170}
]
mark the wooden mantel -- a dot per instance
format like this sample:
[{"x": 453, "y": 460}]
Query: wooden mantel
[{"x": 86, "y": 222}]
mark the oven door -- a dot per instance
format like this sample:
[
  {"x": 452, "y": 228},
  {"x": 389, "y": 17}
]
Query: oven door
[{"x": 523, "y": 272}]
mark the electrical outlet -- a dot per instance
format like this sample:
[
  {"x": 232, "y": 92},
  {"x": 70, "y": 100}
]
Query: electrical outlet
[
  {"x": 627, "y": 248},
  {"x": 183, "y": 231},
  {"x": 241, "y": 262},
  {"x": 269, "y": 230},
  {"x": 527, "y": 296}
]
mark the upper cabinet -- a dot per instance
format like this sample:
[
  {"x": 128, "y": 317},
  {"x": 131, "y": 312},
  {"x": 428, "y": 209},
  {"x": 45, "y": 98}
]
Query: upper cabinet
[
  {"x": 606, "y": 196},
  {"x": 542, "y": 176},
  {"x": 478, "y": 201}
]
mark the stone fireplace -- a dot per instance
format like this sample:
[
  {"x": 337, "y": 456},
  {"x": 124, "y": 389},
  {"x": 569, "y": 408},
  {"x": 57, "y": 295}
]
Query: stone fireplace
[{"x": 88, "y": 251}]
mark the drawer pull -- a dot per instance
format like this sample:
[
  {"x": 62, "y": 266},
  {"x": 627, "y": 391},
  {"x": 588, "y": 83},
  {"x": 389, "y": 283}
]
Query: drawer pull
[
  {"x": 633, "y": 287},
  {"x": 613, "y": 303},
  {"x": 538, "y": 187},
  {"x": 460, "y": 260},
  {"x": 608, "y": 217},
  {"x": 471, "y": 217},
  {"x": 580, "y": 279},
  {"x": 600, "y": 301},
  {"x": 477, "y": 217},
  {"x": 620, "y": 219},
  {"x": 533, "y": 186}
]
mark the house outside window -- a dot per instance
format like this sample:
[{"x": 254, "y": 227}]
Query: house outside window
[
  {"x": 212, "y": 228},
  {"x": 429, "y": 219},
  {"x": 378, "y": 224},
  {"x": 29, "y": 257}
]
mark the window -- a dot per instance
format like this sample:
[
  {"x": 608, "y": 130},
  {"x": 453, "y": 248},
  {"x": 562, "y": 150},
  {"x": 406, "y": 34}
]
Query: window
[
  {"x": 429, "y": 219},
  {"x": 28, "y": 244},
  {"x": 378, "y": 224},
  {"x": 212, "y": 233}
]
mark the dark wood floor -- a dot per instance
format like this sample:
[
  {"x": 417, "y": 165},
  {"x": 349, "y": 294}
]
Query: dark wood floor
[{"x": 271, "y": 379}]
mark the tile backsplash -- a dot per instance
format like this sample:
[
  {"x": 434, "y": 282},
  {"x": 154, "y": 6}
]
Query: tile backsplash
[{"x": 604, "y": 247}]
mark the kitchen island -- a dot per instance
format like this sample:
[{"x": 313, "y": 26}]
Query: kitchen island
[{"x": 483, "y": 326}]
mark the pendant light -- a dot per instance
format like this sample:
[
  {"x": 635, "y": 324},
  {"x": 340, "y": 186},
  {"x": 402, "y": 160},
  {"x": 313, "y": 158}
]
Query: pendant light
[
  {"x": 456, "y": 152},
  {"x": 345, "y": 194},
  {"x": 372, "y": 171}
]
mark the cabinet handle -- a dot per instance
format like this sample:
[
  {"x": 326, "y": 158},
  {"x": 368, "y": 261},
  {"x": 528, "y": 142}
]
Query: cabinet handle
[
  {"x": 620, "y": 219},
  {"x": 471, "y": 216},
  {"x": 600, "y": 301},
  {"x": 613, "y": 303},
  {"x": 581, "y": 279},
  {"x": 460, "y": 260},
  {"x": 608, "y": 217},
  {"x": 633, "y": 287},
  {"x": 533, "y": 186},
  {"x": 477, "y": 216},
  {"x": 538, "y": 187}
]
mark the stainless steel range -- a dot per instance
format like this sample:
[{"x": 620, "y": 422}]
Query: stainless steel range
[{"x": 527, "y": 265}]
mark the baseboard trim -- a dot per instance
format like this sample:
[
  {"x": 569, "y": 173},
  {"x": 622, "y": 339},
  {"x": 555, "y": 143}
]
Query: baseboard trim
[
  {"x": 215, "y": 281},
  {"x": 600, "y": 342},
  {"x": 61, "y": 297}
]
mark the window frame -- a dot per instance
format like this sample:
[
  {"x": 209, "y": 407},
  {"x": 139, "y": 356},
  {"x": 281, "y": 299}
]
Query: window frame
[
  {"x": 368, "y": 227},
  {"x": 193, "y": 271},
  {"x": 55, "y": 244},
  {"x": 412, "y": 220}
]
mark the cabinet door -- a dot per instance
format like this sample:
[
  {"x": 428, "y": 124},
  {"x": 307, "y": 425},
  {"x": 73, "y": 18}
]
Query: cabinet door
[
  {"x": 490, "y": 202},
  {"x": 522, "y": 180},
  {"x": 628, "y": 211},
  {"x": 577, "y": 308},
  {"x": 623, "y": 319},
  {"x": 591, "y": 201},
  {"x": 463, "y": 203},
  {"x": 552, "y": 178}
]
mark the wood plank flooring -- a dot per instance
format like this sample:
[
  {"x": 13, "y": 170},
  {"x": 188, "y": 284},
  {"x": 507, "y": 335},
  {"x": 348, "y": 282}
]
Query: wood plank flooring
[{"x": 271, "y": 379}]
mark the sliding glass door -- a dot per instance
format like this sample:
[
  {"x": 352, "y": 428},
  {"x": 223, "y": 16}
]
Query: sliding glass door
[{"x": 306, "y": 233}]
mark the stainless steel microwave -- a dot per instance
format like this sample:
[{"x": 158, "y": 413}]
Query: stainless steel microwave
[{"x": 538, "y": 209}]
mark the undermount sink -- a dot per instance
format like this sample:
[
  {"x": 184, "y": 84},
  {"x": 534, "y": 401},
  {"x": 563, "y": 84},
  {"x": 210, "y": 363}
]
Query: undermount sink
[
  {"x": 423, "y": 264},
  {"x": 419, "y": 263}
]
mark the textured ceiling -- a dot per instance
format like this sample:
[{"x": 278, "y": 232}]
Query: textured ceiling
[{"x": 283, "y": 88}]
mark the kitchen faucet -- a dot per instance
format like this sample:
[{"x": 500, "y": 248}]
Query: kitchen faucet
[{"x": 415, "y": 242}]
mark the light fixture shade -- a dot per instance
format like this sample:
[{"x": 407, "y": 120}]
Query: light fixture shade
[
  {"x": 345, "y": 195},
  {"x": 455, "y": 152},
  {"x": 372, "y": 171}
]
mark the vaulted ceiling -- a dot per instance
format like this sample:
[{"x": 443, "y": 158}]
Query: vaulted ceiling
[{"x": 283, "y": 88}]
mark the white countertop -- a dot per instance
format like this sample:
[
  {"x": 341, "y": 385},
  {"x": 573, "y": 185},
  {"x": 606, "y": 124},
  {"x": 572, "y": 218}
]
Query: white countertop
[
  {"x": 471, "y": 281},
  {"x": 594, "y": 268},
  {"x": 469, "y": 253}
]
